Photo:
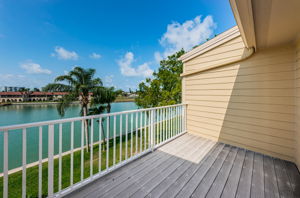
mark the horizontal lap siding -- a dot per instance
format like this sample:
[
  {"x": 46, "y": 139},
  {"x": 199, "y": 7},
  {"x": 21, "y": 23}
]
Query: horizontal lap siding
[
  {"x": 250, "y": 104},
  {"x": 297, "y": 85}
]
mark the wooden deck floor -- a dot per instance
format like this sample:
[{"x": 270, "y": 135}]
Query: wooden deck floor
[{"x": 191, "y": 166}]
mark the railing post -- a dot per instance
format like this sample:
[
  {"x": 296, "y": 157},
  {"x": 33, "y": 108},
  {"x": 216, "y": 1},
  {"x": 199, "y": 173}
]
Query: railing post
[
  {"x": 184, "y": 117},
  {"x": 5, "y": 164},
  {"x": 152, "y": 130},
  {"x": 154, "y": 127},
  {"x": 50, "y": 159}
]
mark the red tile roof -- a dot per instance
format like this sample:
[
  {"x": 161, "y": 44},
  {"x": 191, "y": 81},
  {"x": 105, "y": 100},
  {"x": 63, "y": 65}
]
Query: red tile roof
[{"x": 35, "y": 93}]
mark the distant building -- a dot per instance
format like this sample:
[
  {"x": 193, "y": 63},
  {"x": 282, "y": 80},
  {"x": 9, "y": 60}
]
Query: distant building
[
  {"x": 17, "y": 96},
  {"x": 10, "y": 89}
]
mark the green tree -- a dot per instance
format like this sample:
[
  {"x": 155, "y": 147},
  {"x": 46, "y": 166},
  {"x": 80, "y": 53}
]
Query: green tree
[
  {"x": 79, "y": 83},
  {"x": 165, "y": 86},
  {"x": 101, "y": 102}
]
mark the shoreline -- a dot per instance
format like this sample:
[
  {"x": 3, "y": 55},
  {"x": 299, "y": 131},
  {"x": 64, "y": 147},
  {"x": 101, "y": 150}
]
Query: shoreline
[{"x": 50, "y": 103}]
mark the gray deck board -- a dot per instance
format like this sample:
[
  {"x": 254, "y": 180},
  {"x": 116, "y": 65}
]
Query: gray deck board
[
  {"x": 211, "y": 174},
  {"x": 125, "y": 187},
  {"x": 192, "y": 184},
  {"x": 165, "y": 168},
  {"x": 244, "y": 187},
  {"x": 108, "y": 186},
  {"x": 158, "y": 178},
  {"x": 174, "y": 189},
  {"x": 257, "y": 185},
  {"x": 284, "y": 185},
  {"x": 220, "y": 181},
  {"x": 193, "y": 166},
  {"x": 294, "y": 176},
  {"x": 186, "y": 167},
  {"x": 234, "y": 176}
]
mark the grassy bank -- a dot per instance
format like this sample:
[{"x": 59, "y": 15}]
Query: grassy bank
[{"x": 32, "y": 174}]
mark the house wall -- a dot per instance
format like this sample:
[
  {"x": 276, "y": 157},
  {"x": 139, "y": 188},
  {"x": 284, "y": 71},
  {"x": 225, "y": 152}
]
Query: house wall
[
  {"x": 297, "y": 102},
  {"x": 250, "y": 104}
]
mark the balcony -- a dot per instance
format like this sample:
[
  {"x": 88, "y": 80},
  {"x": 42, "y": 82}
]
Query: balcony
[{"x": 140, "y": 153}]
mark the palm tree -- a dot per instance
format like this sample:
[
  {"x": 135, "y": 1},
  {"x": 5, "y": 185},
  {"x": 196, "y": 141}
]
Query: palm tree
[
  {"x": 103, "y": 97},
  {"x": 79, "y": 83}
]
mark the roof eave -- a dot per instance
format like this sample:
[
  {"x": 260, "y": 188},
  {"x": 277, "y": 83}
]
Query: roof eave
[
  {"x": 211, "y": 44},
  {"x": 243, "y": 14}
]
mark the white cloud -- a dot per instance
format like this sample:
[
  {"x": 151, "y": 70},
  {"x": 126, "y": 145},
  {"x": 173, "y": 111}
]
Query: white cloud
[
  {"x": 95, "y": 55},
  {"x": 185, "y": 35},
  {"x": 34, "y": 68},
  {"x": 128, "y": 70},
  {"x": 62, "y": 53},
  {"x": 158, "y": 57},
  {"x": 108, "y": 80},
  {"x": 20, "y": 80}
]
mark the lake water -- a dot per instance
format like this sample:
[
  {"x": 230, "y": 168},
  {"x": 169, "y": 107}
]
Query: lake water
[{"x": 19, "y": 114}]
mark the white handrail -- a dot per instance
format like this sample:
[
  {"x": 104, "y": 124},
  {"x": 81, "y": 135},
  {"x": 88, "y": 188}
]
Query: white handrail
[{"x": 50, "y": 122}]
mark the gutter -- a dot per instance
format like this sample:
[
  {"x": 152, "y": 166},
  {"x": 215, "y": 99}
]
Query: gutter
[{"x": 247, "y": 54}]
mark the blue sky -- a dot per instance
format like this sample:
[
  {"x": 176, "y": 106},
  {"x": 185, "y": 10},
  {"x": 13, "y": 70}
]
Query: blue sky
[{"x": 122, "y": 40}]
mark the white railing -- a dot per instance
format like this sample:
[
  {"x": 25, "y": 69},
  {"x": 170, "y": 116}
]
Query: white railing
[{"x": 56, "y": 159}]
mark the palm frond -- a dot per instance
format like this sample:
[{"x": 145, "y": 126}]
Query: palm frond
[
  {"x": 57, "y": 87},
  {"x": 66, "y": 78},
  {"x": 65, "y": 103}
]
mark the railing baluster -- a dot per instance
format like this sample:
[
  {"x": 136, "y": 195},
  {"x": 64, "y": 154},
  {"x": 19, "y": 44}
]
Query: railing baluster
[
  {"x": 40, "y": 159},
  {"x": 24, "y": 163},
  {"x": 169, "y": 122},
  {"x": 141, "y": 131},
  {"x": 152, "y": 131},
  {"x": 145, "y": 129},
  {"x": 50, "y": 159},
  {"x": 178, "y": 129},
  {"x": 82, "y": 151},
  {"x": 121, "y": 137},
  {"x": 107, "y": 142},
  {"x": 114, "y": 155},
  {"x": 160, "y": 125},
  {"x": 72, "y": 153},
  {"x": 5, "y": 164},
  {"x": 131, "y": 135},
  {"x": 165, "y": 123},
  {"x": 181, "y": 119},
  {"x": 100, "y": 144},
  {"x": 126, "y": 141},
  {"x": 149, "y": 130},
  {"x": 176, "y": 121},
  {"x": 92, "y": 148},
  {"x": 172, "y": 120},
  {"x": 185, "y": 117},
  {"x": 136, "y": 132},
  {"x": 154, "y": 126},
  {"x": 60, "y": 156}
]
